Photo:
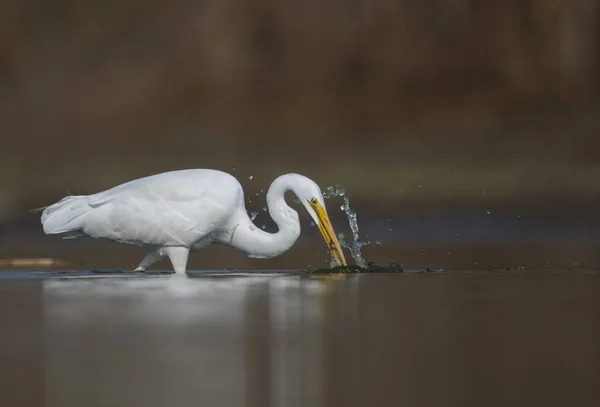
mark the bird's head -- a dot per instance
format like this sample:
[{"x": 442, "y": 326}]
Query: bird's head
[{"x": 310, "y": 196}]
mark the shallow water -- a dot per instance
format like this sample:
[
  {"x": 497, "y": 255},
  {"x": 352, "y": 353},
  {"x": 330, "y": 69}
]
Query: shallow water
[{"x": 414, "y": 339}]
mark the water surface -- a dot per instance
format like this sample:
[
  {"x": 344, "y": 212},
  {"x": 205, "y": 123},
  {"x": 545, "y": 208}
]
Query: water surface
[{"x": 464, "y": 339}]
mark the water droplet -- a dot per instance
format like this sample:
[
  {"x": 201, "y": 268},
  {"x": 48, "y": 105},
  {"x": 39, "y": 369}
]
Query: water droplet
[
  {"x": 253, "y": 215},
  {"x": 312, "y": 223},
  {"x": 342, "y": 207},
  {"x": 264, "y": 227},
  {"x": 488, "y": 212},
  {"x": 265, "y": 208},
  {"x": 341, "y": 237},
  {"x": 296, "y": 201},
  {"x": 329, "y": 192},
  {"x": 233, "y": 169},
  {"x": 251, "y": 177},
  {"x": 340, "y": 190},
  {"x": 378, "y": 242}
]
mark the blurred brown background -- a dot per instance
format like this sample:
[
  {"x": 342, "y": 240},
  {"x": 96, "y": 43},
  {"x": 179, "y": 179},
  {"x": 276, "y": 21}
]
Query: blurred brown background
[{"x": 438, "y": 116}]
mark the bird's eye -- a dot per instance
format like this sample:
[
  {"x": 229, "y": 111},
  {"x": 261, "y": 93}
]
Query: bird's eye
[{"x": 313, "y": 201}]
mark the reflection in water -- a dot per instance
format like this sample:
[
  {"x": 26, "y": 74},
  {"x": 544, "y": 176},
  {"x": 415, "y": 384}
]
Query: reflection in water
[
  {"x": 452, "y": 339},
  {"x": 226, "y": 341}
]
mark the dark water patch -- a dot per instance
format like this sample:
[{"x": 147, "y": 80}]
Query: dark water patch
[{"x": 371, "y": 267}]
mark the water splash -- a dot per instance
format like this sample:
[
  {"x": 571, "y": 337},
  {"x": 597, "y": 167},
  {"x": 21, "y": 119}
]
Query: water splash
[
  {"x": 331, "y": 191},
  {"x": 253, "y": 215},
  {"x": 356, "y": 244}
]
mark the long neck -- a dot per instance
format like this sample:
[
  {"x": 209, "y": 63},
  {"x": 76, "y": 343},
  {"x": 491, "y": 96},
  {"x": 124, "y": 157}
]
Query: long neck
[{"x": 260, "y": 244}]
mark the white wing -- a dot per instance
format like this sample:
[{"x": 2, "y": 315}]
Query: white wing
[{"x": 175, "y": 208}]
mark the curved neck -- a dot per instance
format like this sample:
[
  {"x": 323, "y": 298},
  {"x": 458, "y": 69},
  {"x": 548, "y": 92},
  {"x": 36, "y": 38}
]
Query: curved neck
[{"x": 260, "y": 244}]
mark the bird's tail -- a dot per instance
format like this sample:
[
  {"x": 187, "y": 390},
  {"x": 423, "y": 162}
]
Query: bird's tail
[{"x": 65, "y": 215}]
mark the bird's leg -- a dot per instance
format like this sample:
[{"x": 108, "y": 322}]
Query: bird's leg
[
  {"x": 178, "y": 256},
  {"x": 152, "y": 257}
]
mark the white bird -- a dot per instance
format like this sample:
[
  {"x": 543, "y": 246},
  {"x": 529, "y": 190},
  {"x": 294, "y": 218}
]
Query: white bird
[{"x": 173, "y": 213}]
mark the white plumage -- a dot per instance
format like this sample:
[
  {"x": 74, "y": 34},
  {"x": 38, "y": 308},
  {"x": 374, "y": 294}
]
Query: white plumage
[{"x": 173, "y": 213}]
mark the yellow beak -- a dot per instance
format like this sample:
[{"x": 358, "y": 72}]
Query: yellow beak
[{"x": 328, "y": 233}]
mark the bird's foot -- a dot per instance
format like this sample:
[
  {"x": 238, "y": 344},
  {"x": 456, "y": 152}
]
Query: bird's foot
[{"x": 140, "y": 269}]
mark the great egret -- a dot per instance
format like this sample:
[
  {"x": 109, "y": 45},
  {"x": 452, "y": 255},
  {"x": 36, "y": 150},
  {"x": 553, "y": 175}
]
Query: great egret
[{"x": 173, "y": 213}]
